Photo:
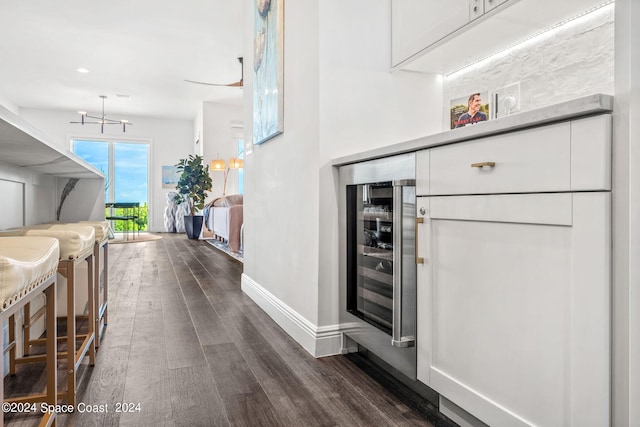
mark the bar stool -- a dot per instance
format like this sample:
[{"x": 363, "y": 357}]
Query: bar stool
[
  {"x": 101, "y": 229},
  {"x": 76, "y": 246},
  {"x": 28, "y": 267}
]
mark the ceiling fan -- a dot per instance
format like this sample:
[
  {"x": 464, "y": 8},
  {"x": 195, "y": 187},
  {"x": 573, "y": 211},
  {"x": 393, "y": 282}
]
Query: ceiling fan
[{"x": 239, "y": 83}]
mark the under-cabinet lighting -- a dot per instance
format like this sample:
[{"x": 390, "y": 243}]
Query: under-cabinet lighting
[{"x": 518, "y": 44}]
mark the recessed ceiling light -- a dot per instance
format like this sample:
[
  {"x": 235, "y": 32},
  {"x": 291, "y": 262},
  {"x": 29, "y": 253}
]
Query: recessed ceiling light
[
  {"x": 82, "y": 70},
  {"x": 121, "y": 95}
]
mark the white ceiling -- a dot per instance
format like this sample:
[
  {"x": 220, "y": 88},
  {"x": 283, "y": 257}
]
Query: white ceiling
[{"x": 141, "y": 48}]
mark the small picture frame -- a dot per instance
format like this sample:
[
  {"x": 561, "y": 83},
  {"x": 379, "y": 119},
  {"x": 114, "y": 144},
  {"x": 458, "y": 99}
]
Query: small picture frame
[
  {"x": 469, "y": 110},
  {"x": 170, "y": 176}
]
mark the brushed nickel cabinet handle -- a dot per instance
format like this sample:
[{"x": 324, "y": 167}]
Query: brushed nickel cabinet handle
[
  {"x": 482, "y": 164},
  {"x": 419, "y": 260},
  {"x": 398, "y": 339}
]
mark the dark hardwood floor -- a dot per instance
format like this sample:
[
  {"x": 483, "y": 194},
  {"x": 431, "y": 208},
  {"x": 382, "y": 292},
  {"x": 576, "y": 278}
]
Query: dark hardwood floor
[{"x": 185, "y": 347}]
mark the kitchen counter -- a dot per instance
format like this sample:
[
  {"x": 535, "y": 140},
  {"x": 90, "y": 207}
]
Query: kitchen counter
[
  {"x": 24, "y": 146},
  {"x": 585, "y": 106}
]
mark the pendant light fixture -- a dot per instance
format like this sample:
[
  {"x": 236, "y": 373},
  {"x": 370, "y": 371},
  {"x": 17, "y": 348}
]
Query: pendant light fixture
[{"x": 103, "y": 120}]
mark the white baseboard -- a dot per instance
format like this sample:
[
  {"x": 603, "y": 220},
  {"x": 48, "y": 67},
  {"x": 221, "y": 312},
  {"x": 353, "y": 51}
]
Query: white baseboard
[{"x": 319, "y": 341}]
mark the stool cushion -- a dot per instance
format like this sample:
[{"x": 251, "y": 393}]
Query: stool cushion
[
  {"x": 73, "y": 239},
  {"x": 25, "y": 262},
  {"x": 101, "y": 229}
]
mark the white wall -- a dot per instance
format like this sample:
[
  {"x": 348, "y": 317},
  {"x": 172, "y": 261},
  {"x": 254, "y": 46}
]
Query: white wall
[
  {"x": 32, "y": 197},
  {"x": 198, "y": 124},
  {"x": 339, "y": 98},
  {"x": 362, "y": 106},
  {"x": 220, "y": 136},
  {"x": 281, "y": 187},
  {"x": 169, "y": 140},
  {"x": 573, "y": 60},
  {"x": 86, "y": 201}
]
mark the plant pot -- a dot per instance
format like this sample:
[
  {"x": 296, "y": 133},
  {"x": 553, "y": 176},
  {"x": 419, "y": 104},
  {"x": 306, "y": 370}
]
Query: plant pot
[{"x": 193, "y": 226}]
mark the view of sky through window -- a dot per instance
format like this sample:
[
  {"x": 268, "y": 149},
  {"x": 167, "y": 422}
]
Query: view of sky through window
[{"x": 124, "y": 164}]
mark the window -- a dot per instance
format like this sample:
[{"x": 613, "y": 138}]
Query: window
[{"x": 126, "y": 169}]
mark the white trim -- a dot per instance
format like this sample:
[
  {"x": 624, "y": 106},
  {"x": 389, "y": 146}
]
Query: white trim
[{"x": 320, "y": 341}]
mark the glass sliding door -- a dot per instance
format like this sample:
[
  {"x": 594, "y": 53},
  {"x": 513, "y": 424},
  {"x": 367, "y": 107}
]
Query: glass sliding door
[
  {"x": 130, "y": 171},
  {"x": 126, "y": 169},
  {"x": 97, "y": 154}
]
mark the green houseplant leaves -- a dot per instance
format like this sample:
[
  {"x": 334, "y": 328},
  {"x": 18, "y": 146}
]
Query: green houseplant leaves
[{"x": 194, "y": 182}]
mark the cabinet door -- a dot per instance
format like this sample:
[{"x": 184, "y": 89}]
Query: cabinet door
[
  {"x": 513, "y": 306},
  {"x": 417, "y": 24},
  {"x": 476, "y": 9},
  {"x": 492, "y": 4}
]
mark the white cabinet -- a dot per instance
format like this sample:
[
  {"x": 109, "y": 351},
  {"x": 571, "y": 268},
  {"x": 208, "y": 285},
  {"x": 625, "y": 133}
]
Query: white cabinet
[
  {"x": 497, "y": 164},
  {"x": 568, "y": 156},
  {"x": 440, "y": 37},
  {"x": 490, "y": 4},
  {"x": 514, "y": 293},
  {"x": 419, "y": 23},
  {"x": 476, "y": 9}
]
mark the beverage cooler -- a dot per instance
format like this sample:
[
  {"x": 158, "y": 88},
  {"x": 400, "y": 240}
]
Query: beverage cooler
[{"x": 378, "y": 265}]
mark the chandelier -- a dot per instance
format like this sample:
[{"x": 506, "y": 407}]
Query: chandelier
[{"x": 103, "y": 120}]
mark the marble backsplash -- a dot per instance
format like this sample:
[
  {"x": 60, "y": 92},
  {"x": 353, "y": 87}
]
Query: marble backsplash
[{"x": 570, "y": 61}]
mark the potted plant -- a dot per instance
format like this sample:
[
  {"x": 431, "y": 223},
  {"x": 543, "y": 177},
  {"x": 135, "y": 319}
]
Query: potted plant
[{"x": 192, "y": 188}]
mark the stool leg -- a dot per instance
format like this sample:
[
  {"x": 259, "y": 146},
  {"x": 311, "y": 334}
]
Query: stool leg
[
  {"x": 98, "y": 328},
  {"x": 26, "y": 334},
  {"x": 71, "y": 338},
  {"x": 2, "y": 393},
  {"x": 12, "y": 340},
  {"x": 105, "y": 284},
  {"x": 91, "y": 305},
  {"x": 52, "y": 347},
  {"x": 96, "y": 295}
]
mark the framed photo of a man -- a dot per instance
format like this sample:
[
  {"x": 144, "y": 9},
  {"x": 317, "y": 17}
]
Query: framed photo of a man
[{"x": 470, "y": 110}]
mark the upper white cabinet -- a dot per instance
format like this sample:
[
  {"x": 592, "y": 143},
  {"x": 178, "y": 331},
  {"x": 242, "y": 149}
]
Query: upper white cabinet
[
  {"x": 420, "y": 23},
  {"x": 476, "y": 9},
  {"x": 440, "y": 37},
  {"x": 490, "y": 4}
]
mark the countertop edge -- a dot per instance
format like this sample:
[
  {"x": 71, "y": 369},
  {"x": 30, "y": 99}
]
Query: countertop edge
[
  {"x": 579, "y": 107},
  {"x": 61, "y": 162}
]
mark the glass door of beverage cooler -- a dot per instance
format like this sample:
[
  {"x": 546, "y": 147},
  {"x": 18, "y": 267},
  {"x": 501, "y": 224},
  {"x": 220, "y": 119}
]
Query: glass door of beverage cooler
[
  {"x": 370, "y": 245},
  {"x": 381, "y": 257}
]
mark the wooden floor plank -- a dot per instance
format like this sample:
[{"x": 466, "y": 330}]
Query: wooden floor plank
[
  {"x": 244, "y": 398},
  {"x": 183, "y": 346},
  {"x": 195, "y": 400}
]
